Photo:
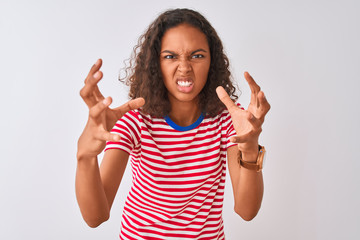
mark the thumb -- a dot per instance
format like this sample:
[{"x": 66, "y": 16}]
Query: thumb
[
  {"x": 130, "y": 105},
  {"x": 96, "y": 110}
]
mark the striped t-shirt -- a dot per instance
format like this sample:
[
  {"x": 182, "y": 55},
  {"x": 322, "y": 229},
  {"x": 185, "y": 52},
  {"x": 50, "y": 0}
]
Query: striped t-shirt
[{"x": 178, "y": 176}]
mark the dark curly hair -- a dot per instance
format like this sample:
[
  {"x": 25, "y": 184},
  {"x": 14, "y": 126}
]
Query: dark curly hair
[{"x": 145, "y": 74}]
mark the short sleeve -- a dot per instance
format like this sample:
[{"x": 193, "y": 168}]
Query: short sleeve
[{"x": 128, "y": 128}]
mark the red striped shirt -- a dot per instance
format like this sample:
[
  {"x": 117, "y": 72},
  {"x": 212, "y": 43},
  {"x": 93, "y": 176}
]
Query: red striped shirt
[{"x": 178, "y": 176}]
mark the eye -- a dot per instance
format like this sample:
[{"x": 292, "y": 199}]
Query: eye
[
  {"x": 169, "y": 56},
  {"x": 198, "y": 56}
]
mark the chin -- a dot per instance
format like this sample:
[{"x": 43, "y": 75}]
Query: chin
[{"x": 185, "y": 98}]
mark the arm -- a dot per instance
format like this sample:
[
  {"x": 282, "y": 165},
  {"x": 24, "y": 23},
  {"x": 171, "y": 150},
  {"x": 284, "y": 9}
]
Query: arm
[
  {"x": 247, "y": 184},
  {"x": 96, "y": 187}
]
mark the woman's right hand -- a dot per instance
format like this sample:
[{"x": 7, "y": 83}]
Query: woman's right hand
[{"x": 101, "y": 118}]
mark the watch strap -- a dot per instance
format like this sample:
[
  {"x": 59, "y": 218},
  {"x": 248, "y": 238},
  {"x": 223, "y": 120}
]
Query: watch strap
[
  {"x": 251, "y": 166},
  {"x": 255, "y": 166}
]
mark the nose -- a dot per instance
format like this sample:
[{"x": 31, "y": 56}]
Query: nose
[{"x": 184, "y": 66}]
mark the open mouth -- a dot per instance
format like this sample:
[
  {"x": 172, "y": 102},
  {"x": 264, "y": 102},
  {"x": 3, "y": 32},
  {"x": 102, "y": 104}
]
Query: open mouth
[{"x": 184, "y": 83}]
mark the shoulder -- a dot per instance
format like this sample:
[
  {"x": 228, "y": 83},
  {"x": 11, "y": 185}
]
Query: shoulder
[
  {"x": 131, "y": 120},
  {"x": 132, "y": 115},
  {"x": 144, "y": 120}
]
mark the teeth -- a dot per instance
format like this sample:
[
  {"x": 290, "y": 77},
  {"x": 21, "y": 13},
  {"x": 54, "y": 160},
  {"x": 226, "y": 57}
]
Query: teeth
[{"x": 184, "y": 83}]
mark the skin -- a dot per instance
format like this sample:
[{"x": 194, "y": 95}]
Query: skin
[
  {"x": 96, "y": 188},
  {"x": 247, "y": 185},
  {"x": 184, "y": 55}
]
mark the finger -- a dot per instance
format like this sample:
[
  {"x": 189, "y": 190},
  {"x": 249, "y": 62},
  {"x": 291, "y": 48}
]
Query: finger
[
  {"x": 87, "y": 96},
  {"x": 264, "y": 105},
  {"x": 253, "y": 87},
  {"x": 254, "y": 121},
  {"x": 97, "y": 65},
  {"x": 130, "y": 105},
  {"x": 107, "y": 136},
  {"x": 240, "y": 139},
  {"x": 96, "y": 110},
  {"x": 98, "y": 94},
  {"x": 94, "y": 79},
  {"x": 245, "y": 137},
  {"x": 225, "y": 99},
  {"x": 90, "y": 92}
]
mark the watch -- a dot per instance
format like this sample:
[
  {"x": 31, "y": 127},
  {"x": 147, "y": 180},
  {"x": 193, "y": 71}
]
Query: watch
[{"x": 258, "y": 165}]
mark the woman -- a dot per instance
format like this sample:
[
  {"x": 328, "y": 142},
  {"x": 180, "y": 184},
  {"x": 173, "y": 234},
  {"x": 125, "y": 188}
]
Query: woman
[{"x": 178, "y": 129}]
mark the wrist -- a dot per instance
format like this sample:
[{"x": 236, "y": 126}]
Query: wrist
[
  {"x": 249, "y": 154},
  {"x": 81, "y": 157},
  {"x": 248, "y": 162},
  {"x": 250, "y": 157}
]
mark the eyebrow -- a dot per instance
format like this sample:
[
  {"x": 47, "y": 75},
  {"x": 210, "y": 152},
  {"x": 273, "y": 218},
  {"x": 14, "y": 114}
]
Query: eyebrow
[{"x": 193, "y": 52}]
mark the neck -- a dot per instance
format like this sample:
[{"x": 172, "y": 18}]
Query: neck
[{"x": 184, "y": 113}]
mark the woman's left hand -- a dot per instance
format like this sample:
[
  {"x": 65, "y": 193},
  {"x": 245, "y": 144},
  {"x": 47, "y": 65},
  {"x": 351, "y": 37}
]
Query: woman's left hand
[{"x": 247, "y": 123}]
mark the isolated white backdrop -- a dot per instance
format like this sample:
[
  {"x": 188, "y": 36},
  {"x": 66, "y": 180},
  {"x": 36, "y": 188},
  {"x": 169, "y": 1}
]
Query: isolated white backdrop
[{"x": 304, "y": 54}]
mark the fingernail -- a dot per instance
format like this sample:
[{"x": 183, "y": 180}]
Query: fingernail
[
  {"x": 97, "y": 62},
  {"x": 97, "y": 75},
  {"x": 106, "y": 101}
]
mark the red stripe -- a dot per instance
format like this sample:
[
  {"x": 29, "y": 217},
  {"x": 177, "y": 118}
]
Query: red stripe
[
  {"x": 164, "y": 189},
  {"x": 154, "y": 199}
]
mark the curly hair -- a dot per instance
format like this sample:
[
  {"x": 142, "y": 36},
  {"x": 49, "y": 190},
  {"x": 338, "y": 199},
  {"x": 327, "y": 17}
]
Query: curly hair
[{"x": 145, "y": 74}]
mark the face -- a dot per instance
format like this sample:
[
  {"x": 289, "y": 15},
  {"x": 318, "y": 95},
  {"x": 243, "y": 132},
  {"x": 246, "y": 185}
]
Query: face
[{"x": 184, "y": 62}]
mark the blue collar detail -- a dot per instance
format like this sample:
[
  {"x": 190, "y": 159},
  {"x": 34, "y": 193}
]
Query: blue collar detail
[{"x": 187, "y": 128}]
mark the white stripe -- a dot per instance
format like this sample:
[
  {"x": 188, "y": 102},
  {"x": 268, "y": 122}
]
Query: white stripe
[{"x": 170, "y": 146}]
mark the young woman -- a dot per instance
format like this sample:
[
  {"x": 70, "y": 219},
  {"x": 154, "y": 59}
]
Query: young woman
[{"x": 178, "y": 129}]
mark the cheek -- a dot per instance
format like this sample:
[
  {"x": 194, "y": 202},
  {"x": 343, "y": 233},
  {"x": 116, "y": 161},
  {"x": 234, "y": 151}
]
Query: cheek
[
  {"x": 167, "y": 75},
  {"x": 166, "y": 70},
  {"x": 203, "y": 71}
]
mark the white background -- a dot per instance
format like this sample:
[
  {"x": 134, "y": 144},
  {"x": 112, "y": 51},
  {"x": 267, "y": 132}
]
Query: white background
[{"x": 304, "y": 54}]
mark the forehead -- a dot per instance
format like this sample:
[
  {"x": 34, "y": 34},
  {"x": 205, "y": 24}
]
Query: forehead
[{"x": 184, "y": 37}]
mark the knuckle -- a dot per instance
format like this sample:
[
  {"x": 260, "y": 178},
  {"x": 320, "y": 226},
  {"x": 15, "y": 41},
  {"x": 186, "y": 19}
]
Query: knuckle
[{"x": 83, "y": 93}]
